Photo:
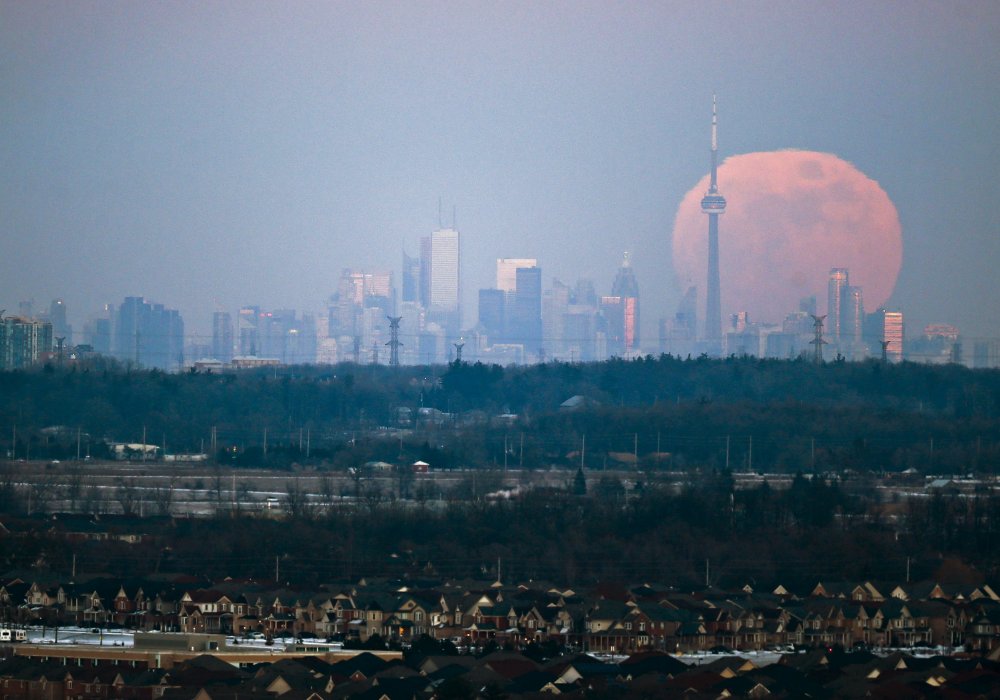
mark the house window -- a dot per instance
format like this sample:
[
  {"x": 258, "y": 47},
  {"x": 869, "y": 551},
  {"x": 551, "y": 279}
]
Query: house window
[
  {"x": 642, "y": 626},
  {"x": 418, "y": 616},
  {"x": 628, "y": 625}
]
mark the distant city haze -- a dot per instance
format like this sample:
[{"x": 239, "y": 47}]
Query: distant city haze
[{"x": 208, "y": 156}]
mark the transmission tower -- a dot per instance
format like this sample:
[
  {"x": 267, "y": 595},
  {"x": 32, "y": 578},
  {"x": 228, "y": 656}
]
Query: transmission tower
[
  {"x": 458, "y": 351},
  {"x": 818, "y": 341},
  {"x": 394, "y": 340}
]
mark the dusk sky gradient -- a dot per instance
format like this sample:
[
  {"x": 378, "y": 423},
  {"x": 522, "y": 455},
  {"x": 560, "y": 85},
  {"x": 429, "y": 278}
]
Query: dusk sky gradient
[{"x": 214, "y": 154}]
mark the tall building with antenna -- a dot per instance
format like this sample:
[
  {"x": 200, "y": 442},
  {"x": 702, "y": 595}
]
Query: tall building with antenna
[
  {"x": 626, "y": 288},
  {"x": 713, "y": 204}
]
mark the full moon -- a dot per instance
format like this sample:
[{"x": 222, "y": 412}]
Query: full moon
[{"x": 790, "y": 217}]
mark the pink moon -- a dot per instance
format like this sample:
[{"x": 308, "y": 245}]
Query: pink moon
[{"x": 790, "y": 217}]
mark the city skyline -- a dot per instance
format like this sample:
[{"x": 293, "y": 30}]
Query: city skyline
[{"x": 200, "y": 155}]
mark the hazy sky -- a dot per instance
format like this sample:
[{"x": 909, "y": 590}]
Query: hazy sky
[{"x": 229, "y": 153}]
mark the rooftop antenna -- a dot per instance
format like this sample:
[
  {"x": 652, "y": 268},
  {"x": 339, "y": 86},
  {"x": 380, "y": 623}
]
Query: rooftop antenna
[
  {"x": 818, "y": 341},
  {"x": 440, "y": 216},
  {"x": 454, "y": 218}
]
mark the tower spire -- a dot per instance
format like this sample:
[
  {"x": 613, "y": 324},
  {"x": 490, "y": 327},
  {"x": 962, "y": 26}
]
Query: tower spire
[
  {"x": 713, "y": 204},
  {"x": 714, "y": 184}
]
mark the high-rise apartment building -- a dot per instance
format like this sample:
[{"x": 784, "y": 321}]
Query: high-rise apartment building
[{"x": 23, "y": 341}]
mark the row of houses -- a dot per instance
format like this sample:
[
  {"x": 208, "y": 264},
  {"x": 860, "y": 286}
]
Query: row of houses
[
  {"x": 436, "y": 676},
  {"x": 476, "y": 614}
]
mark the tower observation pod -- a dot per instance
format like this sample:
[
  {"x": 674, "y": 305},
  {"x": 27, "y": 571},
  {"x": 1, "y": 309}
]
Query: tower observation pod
[{"x": 713, "y": 204}]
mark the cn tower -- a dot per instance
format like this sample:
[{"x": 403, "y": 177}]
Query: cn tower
[{"x": 713, "y": 204}]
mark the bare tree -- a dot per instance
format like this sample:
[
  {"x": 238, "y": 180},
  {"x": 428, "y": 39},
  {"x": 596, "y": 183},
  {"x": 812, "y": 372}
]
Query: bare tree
[
  {"x": 127, "y": 495},
  {"x": 297, "y": 500},
  {"x": 327, "y": 490},
  {"x": 74, "y": 487},
  {"x": 94, "y": 500},
  {"x": 371, "y": 496},
  {"x": 163, "y": 497},
  {"x": 244, "y": 496},
  {"x": 217, "y": 486}
]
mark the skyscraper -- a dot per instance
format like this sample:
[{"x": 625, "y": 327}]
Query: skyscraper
[
  {"x": 441, "y": 255},
  {"x": 247, "y": 339},
  {"x": 411, "y": 278},
  {"x": 60, "y": 326},
  {"x": 149, "y": 335},
  {"x": 886, "y": 327},
  {"x": 492, "y": 313},
  {"x": 222, "y": 336},
  {"x": 713, "y": 204},
  {"x": 507, "y": 271},
  {"x": 626, "y": 287},
  {"x": 836, "y": 287},
  {"x": 526, "y": 318},
  {"x": 852, "y": 315}
]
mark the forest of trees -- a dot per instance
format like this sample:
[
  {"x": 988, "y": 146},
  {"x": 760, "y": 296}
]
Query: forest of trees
[
  {"x": 705, "y": 418},
  {"x": 741, "y": 413},
  {"x": 815, "y": 530}
]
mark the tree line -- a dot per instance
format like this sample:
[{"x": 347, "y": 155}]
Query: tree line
[{"x": 667, "y": 412}]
